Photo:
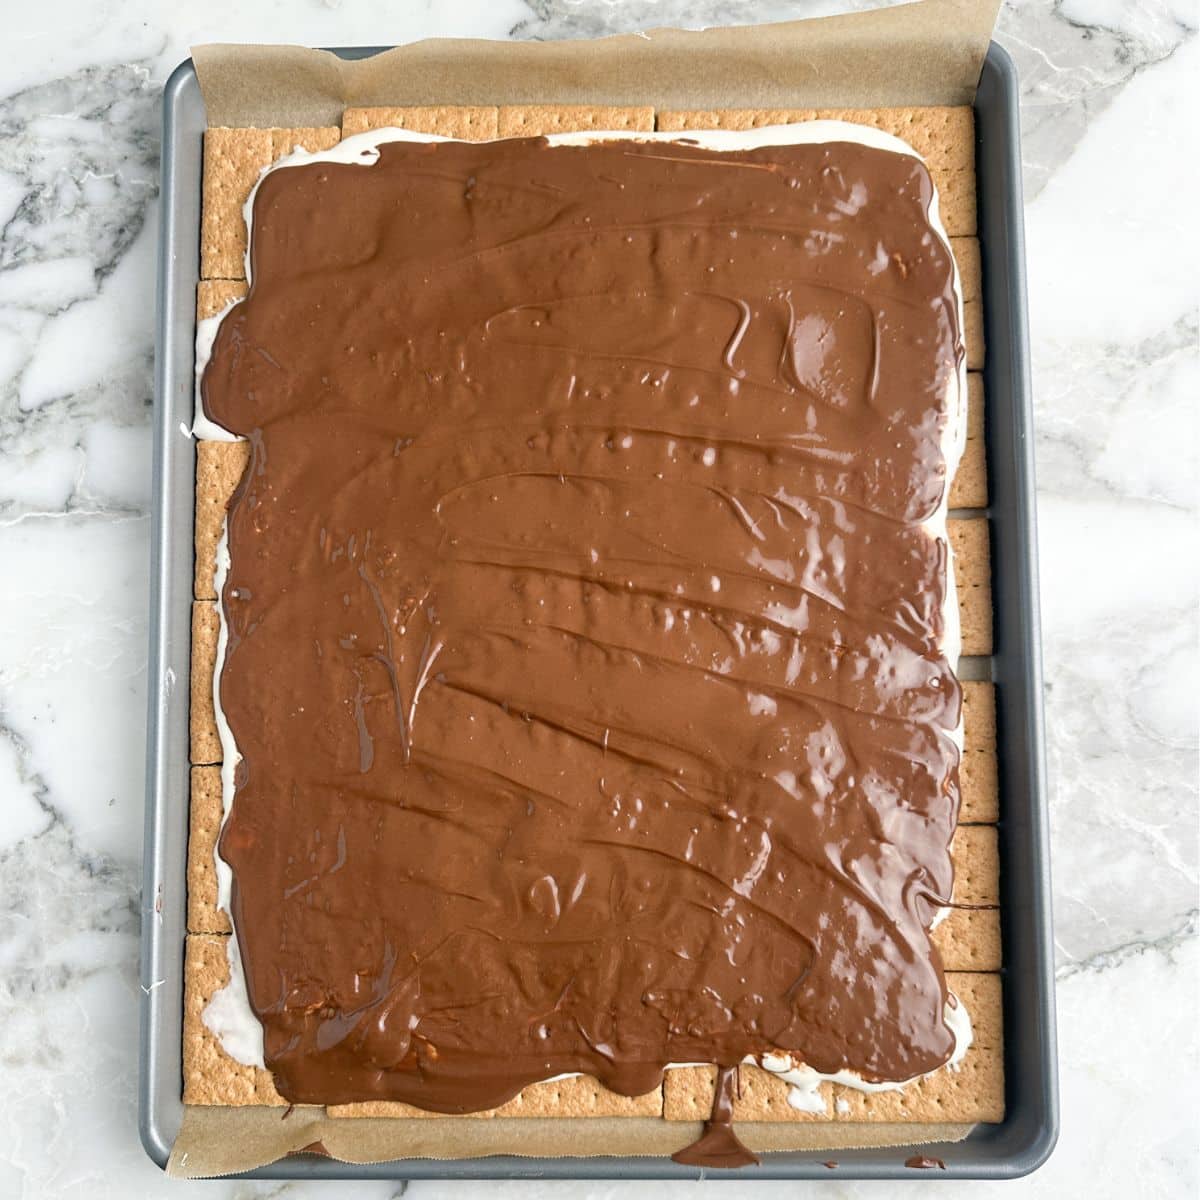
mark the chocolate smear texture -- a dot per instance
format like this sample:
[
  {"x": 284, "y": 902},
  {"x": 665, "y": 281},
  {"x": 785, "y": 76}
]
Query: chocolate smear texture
[{"x": 586, "y": 651}]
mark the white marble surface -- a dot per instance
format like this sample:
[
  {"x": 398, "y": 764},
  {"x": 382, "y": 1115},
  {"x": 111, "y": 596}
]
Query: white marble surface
[{"x": 1110, "y": 103}]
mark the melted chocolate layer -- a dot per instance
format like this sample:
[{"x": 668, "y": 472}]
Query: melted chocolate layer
[{"x": 585, "y": 640}]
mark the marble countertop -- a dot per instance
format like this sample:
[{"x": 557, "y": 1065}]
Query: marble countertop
[{"x": 1108, "y": 89}]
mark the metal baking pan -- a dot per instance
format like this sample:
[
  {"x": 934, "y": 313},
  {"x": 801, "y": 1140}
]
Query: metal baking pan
[{"x": 1027, "y": 1135}]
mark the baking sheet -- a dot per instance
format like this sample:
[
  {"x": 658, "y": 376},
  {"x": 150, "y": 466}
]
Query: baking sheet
[{"x": 241, "y": 1140}]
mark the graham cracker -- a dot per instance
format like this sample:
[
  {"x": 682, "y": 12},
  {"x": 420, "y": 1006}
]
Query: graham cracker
[
  {"x": 969, "y": 937},
  {"x": 219, "y": 468},
  {"x": 969, "y": 940},
  {"x": 969, "y": 487},
  {"x": 973, "y": 334},
  {"x": 214, "y": 295},
  {"x": 311, "y": 138},
  {"x": 578, "y": 1096},
  {"x": 957, "y": 206},
  {"x": 205, "y": 741},
  {"x": 233, "y": 161},
  {"x": 538, "y": 120},
  {"x": 759, "y": 1096},
  {"x": 210, "y": 1076},
  {"x": 979, "y": 721},
  {"x": 973, "y": 581},
  {"x": 968, "y": 259},
  {"x": 972, "y": 1091},
  {"x": 977, "y": 771},
  {"x": 393, "y": 1109},
  {"x": 204, "y": 825},
  {"x": 976, "y": 854},
  {"x": 467, "y": 123}
]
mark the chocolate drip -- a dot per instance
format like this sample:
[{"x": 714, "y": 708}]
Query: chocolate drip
[
  {"x": 718, "y": 1146},
  {"x": 585, "y": 634},
  {"x": 923, "y": 1162}
]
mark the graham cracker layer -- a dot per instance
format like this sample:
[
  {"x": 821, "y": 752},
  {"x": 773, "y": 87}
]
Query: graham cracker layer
[
  {"x": 233, "y": 161},
  {"x": 760, "y": 1096},
  {"x": 210, "y": 1076},
  {"x": 977, "y": 770},
  {"x": 468, "y": 123},
  {"x": 214, "y": 295},
  {"x": 973, "y": 582},
  {"x": 219, "y": 468},
  {"x": 538, "y": 120},
  {"x": 202, "y": 721},
  {"x": 972, "y": 1091},
  {"x": 969, "y": 487},
  {"x": 968, "y": 938},
  {"x": 204, "y": 826},
  {"x": 973, "y": 334},
  {"x": 976, "y": 854},
  {"x": 969, "y": 260},
  {"x": 578, "y": 1096},
  {"x": 310, "y": 138},
  {"x": 957, "y": 205}
]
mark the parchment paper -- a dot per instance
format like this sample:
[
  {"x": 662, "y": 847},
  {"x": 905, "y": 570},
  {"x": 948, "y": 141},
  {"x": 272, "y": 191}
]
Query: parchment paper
[
  {"x": 224, "y": 1141},
  {"x": 929, "y": 52},
  {"x": 924, "y": 53}
]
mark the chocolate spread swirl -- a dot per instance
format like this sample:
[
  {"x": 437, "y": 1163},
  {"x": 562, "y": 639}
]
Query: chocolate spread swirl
[{"x": 585, "y": 634}]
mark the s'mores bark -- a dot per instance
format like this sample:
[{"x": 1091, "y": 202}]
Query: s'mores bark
[
  {"x": 968, "y": 939},
  {"x": 971, "y": 1091}
]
